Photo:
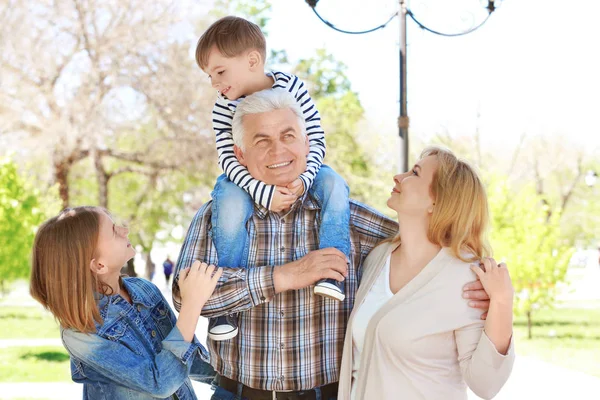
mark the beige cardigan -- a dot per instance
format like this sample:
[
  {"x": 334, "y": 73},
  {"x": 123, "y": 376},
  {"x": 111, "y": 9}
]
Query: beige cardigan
[{"x": 425, "y": 342}]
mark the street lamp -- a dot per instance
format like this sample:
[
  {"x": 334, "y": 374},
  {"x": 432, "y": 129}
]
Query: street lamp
[
  {"x": 590, "y": 178},
  {"x": 403, "y": 120}
]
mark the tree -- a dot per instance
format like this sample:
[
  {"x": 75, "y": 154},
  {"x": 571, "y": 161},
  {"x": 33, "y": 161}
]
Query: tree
[
  {"x": 20, "y": 213},
  {"x": 100, "y": 89},
  {"x": 351, "y": 148},
  {"x": 530, "y": 243},
  {"x": 80, "y": 74}
]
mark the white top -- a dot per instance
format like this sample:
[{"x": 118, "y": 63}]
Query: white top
[
  {"x": 222, "y": 118},
  {"x": 379, "y": 294}
]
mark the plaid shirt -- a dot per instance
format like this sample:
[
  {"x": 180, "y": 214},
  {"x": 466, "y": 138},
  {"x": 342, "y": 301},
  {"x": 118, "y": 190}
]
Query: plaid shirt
[{"x": 291, "y": 340}]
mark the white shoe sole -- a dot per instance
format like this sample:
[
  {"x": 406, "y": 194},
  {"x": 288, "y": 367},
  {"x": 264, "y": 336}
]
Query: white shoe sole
[
  {"x": 333, "y": 294},
  {"x": 223, "y": 336}
]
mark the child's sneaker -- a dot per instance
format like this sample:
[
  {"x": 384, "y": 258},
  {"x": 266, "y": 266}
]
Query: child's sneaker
[
  {"x": 223, "y": 328},
  {"x": 330, "y": 288}
]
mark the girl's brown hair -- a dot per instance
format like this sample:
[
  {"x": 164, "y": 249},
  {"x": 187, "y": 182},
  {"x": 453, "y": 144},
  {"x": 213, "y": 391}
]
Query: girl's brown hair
[
  {"x": 232, "y": 36},
  {"x": 61, "y": 278}
]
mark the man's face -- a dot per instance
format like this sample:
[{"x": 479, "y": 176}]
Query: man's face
[{"x": 275, "y": 147}]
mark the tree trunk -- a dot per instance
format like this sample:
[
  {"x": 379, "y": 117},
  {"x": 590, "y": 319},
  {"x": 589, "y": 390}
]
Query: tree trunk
[
  {"x": 150, "y": 266},
  {"x": 102, "y": 178},
  {"x": 529, "y": 324},
  {"x": 61, "y": 174},
  {"x": 129, "y": 269}
]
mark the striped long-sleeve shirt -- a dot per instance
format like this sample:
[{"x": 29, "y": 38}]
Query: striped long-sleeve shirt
[
  {"x": 222, "y": 117},
  {"x": 291, "y": 340}
]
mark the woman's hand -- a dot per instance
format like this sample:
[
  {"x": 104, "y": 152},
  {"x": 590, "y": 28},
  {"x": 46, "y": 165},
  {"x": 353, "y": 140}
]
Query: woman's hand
[{"x": 495, "y": 280}]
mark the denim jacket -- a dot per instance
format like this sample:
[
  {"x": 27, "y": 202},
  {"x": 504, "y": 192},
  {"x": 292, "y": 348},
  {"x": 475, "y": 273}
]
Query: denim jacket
[{"x": 137, "y": 352}]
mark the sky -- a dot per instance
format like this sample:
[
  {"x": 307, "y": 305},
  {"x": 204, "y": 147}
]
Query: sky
[{"x": 531, "y": 69}]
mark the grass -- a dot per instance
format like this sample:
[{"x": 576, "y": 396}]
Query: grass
[
  {"x": 34, "y": 364},
  {"x": 568, "y": 337},
  {"x": 26, "y": 323}
]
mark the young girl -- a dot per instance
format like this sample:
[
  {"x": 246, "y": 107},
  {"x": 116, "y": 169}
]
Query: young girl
[{"x": 122, "y": 336}]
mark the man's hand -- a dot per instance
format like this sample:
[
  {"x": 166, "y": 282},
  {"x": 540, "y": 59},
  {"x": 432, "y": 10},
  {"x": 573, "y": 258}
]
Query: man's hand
[
  {"x": 316, "y": 265},
  {"x": 296, "y": 187},
  {"x": 283, "y": 198}
]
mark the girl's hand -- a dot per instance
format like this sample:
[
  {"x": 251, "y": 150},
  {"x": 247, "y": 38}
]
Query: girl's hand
[
  {"x": 197, "y": 283},
  {"x": 297, "y": 187},
  {"x": 495, "y": 280}
]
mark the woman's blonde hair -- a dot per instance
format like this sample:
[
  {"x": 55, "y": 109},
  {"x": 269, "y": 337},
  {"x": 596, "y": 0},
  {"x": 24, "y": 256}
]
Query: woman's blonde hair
[
  {"x": 61, "y": 278},
  {"x": 460, "y": 216}
]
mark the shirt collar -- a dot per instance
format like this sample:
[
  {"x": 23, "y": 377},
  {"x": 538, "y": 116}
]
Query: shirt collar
[
  {"x": 306, "y": 201},
  {"x": 134, "y": 294}
]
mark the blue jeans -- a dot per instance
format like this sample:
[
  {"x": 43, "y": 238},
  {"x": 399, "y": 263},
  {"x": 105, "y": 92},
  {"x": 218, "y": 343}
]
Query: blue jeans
[{"x": 232, "y": 208}]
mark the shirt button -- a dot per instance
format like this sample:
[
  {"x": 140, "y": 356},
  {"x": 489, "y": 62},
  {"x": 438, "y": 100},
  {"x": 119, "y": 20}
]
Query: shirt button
[
  {"x": 283, "y": 220},
  {"x": 281, "y": 377},
  {"x": 137, "y": 320},
  {"x": 282, "y": 249},
  {"x": 139, "y": 308},
  {"x": 281, "y": 345},
  {"x": 281, "y": 313},
  {"x": 262, "y": 298},
  {"x": 153, "y": 333}
]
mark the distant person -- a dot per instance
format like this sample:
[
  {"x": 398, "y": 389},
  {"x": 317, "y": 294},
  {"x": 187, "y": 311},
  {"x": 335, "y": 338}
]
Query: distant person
[
  {"x": 123, "y": 338},
  {"x": 167, "y": 269}
]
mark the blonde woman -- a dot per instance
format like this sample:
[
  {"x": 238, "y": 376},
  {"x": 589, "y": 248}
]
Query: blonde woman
[{"x": 411, "y": 334}]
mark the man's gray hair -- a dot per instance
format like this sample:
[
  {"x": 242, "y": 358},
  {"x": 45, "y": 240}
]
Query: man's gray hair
[{"x": 262, "y": 102}]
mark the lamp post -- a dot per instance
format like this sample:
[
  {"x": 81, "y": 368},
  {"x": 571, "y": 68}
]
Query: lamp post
[{"x": 403, "y": 12}]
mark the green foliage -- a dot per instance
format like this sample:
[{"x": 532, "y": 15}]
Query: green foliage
[
  {"x": 527, "y": 236},
  {"x": 34, "y": 364},
  {"x": 20, "y": 213},
  {"x": 256, "y": 11},
  {"x": 27, "y": 323},
  {"x": 568, "y": 337},
  {"x": 341, "y": 116},
  {"x": 325, "y": 76}
]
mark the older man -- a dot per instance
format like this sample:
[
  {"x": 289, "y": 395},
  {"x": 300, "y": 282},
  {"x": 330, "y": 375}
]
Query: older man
[{"x": 289, "y": 340}]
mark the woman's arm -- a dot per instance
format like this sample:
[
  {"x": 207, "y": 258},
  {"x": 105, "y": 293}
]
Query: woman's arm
[{"x": 486, "y": 353}]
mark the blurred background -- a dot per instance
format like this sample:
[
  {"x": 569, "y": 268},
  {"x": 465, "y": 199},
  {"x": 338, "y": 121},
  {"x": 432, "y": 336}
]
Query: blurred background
[{"x": 101, "y": 103}]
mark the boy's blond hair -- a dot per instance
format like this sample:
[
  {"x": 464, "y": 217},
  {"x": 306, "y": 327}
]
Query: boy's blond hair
[{"x": 232, "y": 36}]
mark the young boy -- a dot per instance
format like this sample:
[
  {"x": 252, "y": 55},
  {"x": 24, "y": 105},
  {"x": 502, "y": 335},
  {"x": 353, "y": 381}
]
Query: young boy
[{"x": 232, "y": 52}]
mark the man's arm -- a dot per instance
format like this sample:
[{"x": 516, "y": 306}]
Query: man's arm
[{"x": 240, "y": 289}]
